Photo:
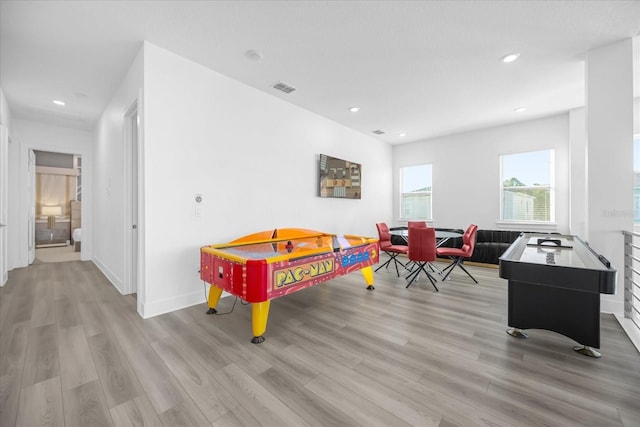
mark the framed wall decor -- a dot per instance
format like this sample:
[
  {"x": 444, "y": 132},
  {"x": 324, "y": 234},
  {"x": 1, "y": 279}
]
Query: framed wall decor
[{"x": 340, "y": 178}]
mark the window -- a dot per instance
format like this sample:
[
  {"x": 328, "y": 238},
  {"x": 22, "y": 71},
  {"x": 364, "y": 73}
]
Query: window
[
  {"x": 415, "y": 190},
  {"x": 527, "y": 186},
  {"x": 636, "y": 179}
]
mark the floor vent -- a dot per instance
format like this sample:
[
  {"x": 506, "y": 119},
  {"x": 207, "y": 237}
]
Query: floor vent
[{"x": 284, "y": 87}]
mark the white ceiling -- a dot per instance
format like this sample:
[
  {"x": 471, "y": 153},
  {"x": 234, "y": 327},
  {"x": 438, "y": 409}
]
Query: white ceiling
[{"x": 426, "y": 68}]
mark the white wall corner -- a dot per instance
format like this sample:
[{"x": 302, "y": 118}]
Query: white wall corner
[
  {"x": 630, "y": 329},
  {"x": 612, "y": 306},
  {"x": 167, "y": 305},
  {"x": 111, "y": 277}
]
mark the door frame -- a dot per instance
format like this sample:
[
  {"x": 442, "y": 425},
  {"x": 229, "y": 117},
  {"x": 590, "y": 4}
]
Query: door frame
[
  {"x": 31, "y": 214},
  {"x": 26, "y": 204},
  {"x": 4, "y": 204},
  {"x": 133, "y": 207}
]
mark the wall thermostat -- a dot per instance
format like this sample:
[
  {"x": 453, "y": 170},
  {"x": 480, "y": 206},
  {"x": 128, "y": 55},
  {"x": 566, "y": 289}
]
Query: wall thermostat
[{"x": 198, "y": 198}]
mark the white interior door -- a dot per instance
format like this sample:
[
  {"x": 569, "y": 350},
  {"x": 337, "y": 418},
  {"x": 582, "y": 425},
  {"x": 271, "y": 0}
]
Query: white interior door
[{"x": 4, "y": 198}]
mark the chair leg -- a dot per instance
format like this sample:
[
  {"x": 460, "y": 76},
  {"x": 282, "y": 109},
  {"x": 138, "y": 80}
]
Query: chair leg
[
  {"x": 450, "y": 268},
  {"x": 435, "y": 269},
  {"x": 385, "y": 264},
  {"x": 457, "y": 263},
  {"x": 413, "y": 272},
  {"x": 409, "y": 266},
  {"x": 392, "y": 257},
  {"x": 433, "y": 281},
  {"x": 414, "y": 275},
  {"x": 396, "y": 262},
  {"x": 452, "y": 264},
  {"x": 465, "y": 270}
]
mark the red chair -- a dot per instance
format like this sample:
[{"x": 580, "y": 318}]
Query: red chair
[
  {"x": 422, "y": 251},
  {"x": 458, "y": 255},
  {"x": 390, "y": 249}
]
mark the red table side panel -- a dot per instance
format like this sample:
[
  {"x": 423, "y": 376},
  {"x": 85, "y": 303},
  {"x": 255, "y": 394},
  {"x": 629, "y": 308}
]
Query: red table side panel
[
  {"x": 206, "y": 267},
  {"x": 258, "y": 281},
  {"x": 291, "y": 276},
  {"x": 222, "y": 273},
  {"x": 237, "y": 286}
]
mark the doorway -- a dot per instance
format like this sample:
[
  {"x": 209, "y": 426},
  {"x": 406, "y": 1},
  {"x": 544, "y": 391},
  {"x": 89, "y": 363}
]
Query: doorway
[{"x": 56, "y": 182}]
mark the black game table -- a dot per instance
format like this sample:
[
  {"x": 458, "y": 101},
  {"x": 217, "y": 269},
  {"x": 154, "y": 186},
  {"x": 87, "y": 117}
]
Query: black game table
[{"x": 555, "y": 282}]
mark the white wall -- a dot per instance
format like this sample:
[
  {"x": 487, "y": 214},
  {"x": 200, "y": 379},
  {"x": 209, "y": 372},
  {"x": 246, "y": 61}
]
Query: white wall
[
  {"x": 466, "y": 171},
  {"x": 13, "y": 191},
  {"x": 252, "y": 156},
  {"x": 108, "y": 176},
  {"x": 5, "y": 112},
  {"x": 609, "y": 120},
  {"x": 27, "y": 135},
  {"x": 578, "y": 205},
  {"x": 5, "y": 119},
  {"x": 636, "y": 115}
]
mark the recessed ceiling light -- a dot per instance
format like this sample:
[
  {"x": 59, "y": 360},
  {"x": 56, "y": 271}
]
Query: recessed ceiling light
[
  {"x": 520, "y": 109},
  {"x": 58, "y": 102},
  {"x": 354, "y": 109},
  {"x": 510, "y": 57},
  {"x": 402, "y": 134}
]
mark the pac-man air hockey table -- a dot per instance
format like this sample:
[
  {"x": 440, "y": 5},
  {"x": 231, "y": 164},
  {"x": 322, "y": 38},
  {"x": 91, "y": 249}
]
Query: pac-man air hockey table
[{"x": 270, "y": 264}]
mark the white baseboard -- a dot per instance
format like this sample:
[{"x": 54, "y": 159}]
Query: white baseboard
[
  {"x": 630, "y": 328},
  {"x": 115, "y": 281},
  {"x": 612, "y": 307},
  {"x": 156, "y": 308}
]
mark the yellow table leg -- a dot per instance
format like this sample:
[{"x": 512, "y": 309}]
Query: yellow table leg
[
  {"x": 259, "y": 314},
  {"x": 367, "y": 272},
  {"x": 214, "y": 297}
]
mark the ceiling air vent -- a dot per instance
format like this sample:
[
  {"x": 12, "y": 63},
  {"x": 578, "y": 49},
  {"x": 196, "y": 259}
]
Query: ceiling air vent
[
  {"x": 284, "y": 87},
  {"x": 378, "y": 132}
]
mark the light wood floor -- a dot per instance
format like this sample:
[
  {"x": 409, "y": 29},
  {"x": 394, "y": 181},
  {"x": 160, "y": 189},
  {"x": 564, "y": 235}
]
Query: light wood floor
[{"x": 74, "y": 352}]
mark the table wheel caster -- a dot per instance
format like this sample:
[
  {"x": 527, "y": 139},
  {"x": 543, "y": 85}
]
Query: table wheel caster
[
  {"x": 518, "y": 333},
  {"x": 588, "y": 351}
]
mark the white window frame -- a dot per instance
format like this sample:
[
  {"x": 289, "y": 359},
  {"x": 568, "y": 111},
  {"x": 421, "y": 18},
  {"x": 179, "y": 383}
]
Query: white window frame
[
  {"x": 402, "y": 215},
  {"x": 551, "y": 187}
]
